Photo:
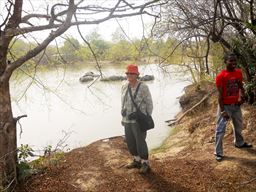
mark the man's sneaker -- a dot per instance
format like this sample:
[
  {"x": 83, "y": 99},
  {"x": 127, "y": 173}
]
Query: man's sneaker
[
  {"x": 219, "y": 157},
  {"x": 144, "y": 168},
  {"x": 134, "y": 164},
  {"x": 245, "y": 145}
]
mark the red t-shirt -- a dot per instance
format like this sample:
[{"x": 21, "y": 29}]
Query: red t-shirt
[{"x": 229, "y": 82}]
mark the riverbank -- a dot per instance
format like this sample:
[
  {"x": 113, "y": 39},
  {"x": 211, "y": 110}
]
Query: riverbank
[{"x": 184, "y": 162}]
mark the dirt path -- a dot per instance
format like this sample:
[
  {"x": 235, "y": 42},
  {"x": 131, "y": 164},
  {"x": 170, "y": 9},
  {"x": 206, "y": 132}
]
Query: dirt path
[{"x": 100, "y": 167}]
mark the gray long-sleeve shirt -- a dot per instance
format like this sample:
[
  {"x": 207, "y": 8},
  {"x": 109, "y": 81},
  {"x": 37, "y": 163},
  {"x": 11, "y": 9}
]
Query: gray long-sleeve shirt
[{"x": 143, "y": 101}]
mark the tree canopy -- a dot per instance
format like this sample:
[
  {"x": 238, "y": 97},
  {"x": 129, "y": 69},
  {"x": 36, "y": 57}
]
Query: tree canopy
[{"x": 230, "y": 23}]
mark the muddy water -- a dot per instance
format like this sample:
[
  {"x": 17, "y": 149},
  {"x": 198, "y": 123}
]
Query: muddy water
[{"x": 59, "y": 107}]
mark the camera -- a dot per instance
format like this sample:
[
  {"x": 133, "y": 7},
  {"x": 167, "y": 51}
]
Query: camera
[
  {"x": 123, "y": 112},
  {"x": 132, "y": 116}
]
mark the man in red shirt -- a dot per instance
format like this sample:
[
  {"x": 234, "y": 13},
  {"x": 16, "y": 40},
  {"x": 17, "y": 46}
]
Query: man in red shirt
[{"x": 229, "y": 83}]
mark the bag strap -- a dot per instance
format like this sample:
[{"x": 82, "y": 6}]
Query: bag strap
[
  {"x": 125, "y": 97},
  {"x": 135, "y": 94}
]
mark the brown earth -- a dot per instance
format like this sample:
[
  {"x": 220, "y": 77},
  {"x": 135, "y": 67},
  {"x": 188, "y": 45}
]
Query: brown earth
[{"x": 185, "y": 162}]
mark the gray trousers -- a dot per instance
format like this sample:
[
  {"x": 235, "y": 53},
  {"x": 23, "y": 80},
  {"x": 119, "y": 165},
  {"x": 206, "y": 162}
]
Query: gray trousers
[
  {"x": 136, "y": 140},
  {"x": 235, "y": 114}
]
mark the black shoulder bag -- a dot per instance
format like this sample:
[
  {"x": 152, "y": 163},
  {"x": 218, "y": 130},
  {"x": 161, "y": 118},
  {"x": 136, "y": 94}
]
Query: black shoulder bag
[{"x": 145, "y": 121}]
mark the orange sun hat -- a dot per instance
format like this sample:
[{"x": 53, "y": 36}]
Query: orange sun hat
[{"x": 132, "y": 68}]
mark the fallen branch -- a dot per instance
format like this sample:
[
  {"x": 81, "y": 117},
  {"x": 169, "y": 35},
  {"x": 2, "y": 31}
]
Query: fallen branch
[
  {"x": 167, "y": 121},
  {"x": 247, "y": 182},
  {"x": 192, "y": 108}
]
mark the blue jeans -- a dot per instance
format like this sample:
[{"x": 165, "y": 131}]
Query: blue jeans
[{"x": 235, "y": 114}]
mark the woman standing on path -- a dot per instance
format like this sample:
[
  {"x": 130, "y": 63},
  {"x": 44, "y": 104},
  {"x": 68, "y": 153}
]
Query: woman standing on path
[{"x": 135, "y": 137}]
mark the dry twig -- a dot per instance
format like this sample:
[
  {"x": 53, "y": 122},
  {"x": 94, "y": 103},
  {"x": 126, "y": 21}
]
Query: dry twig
[{"x": 189, "y": 110}]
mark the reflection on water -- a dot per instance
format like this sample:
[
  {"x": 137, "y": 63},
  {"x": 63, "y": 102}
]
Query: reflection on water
[{"x": 57, "y": 102}]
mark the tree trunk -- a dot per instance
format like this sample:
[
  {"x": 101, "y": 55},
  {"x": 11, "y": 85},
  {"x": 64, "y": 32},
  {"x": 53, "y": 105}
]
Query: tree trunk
[{"x": 8, "y": 142}]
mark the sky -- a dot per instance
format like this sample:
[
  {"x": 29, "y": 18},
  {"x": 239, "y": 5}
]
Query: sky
[{"x": 133, "y": 26}]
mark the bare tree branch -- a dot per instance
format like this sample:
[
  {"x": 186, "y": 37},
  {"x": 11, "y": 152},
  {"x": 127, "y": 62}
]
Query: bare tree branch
[
  {"x": 92, "y": 51},
  {"x": 10, "y": 68},
  {"x": 120, "y": 9}
]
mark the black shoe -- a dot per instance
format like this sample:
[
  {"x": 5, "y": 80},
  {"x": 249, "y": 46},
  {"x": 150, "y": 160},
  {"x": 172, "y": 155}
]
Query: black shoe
[
  {"x": 219, "y": 157},
  {"x": 134, "y": 164},
  {"x": 144, "y": 168},
  {"x": 245, "y": 145}
]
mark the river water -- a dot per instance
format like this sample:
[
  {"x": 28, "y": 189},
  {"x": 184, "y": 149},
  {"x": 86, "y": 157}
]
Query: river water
[{"x": 57, "y": 104}]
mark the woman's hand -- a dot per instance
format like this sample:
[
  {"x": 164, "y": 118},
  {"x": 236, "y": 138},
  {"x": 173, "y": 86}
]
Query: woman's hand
[{"x": 224, "y": 114}]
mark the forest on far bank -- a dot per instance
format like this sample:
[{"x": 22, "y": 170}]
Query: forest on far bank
[{"x": 120, "y": 50}]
